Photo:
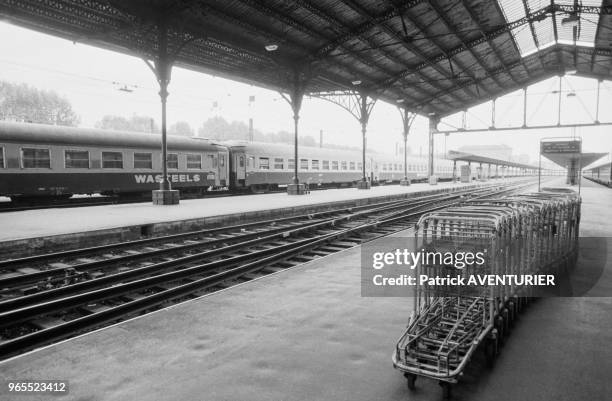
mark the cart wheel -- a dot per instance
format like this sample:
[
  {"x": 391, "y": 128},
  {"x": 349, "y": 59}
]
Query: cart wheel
[
  {"x": 411, "y": 379},
  {"x": 446, "y": 389}
]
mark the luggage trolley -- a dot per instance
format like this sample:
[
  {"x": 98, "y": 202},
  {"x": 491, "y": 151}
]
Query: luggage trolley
[
  {"x": 521, "y": 234},
  {"x": 449, "y": 322}
]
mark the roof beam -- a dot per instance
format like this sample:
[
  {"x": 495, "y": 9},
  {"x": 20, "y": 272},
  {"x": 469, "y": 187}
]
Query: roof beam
[
  {"x": 488, "y": 40},
  {"x": 269, "y": 11},
  {"x": 334, "y": 21},
  {"x": 533, "y": 32},
  {"x": 507, "y": 28},
  {"x": 453, "y": 28},
  {"x": 358, "y": 8},
  {"x": 556, "y": 34},
  {"x": 364, "y": 27}
]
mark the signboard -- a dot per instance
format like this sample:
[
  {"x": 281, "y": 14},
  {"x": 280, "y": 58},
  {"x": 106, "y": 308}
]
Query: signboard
[{"x": 560, "y": 147}]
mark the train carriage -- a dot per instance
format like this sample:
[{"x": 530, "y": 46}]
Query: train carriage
[
  {"x": 601, "y": 173},
  {"x": 51, "y": 161},
  {"x": 265, "y": 166}
]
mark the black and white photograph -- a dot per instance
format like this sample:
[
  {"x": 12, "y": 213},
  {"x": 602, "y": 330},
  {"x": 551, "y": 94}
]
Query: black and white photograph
[{"x": 309, "y": 200}]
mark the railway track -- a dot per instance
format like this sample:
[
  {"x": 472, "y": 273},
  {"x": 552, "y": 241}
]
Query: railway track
[{"x": 50, "y": 297}]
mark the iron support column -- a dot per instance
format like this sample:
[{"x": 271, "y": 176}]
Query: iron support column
[
  {"x": 162, "y": 68},
  {"x": 407, "y": 119},
  {"x": 559, "y": 105},
  {"x": 433, "y": 127},
  {"x": 296, "y": 97},
  {"x": 296, "y": 119},
  {"x": 524, "y": 107},
  {"x": 364, "y": 114},
  {"x": 597, "y": 102}
]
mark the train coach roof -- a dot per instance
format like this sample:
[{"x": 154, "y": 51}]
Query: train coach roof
[
  {"x": 286, "y": 150},
  {"x": 52, "y": 134}
]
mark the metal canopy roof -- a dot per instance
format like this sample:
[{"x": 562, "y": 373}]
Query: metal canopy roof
[
  {"x": 434, "y": 56},
  {"x": 563, "y": 159},
  {"x": 470, "y": 157}
]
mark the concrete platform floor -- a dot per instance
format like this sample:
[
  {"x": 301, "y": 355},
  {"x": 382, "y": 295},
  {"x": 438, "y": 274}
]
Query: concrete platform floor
[
  {"x": 48, "y": 222},
  {"x": 307, "y": 334}
]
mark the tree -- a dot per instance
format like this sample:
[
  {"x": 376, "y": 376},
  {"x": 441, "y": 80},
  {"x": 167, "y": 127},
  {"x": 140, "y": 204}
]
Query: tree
[
  {"x": 220, "y": 129},
  {"x": 23, "y": 103},
  {"x": 135, "y": 123},
  {"x": 181, "y": 128}
]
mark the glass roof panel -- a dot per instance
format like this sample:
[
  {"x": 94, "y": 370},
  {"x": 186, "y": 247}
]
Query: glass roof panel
[{"x": 586, "y": 28}]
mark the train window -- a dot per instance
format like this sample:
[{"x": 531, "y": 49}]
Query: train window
[
  {"x": 76, "y": 159},
  {"x": 222, "y": 160},
  {"x": 241, "y": 161},
  {"x": 194, "y": 162},
  {"x": 279, "y": 163},
  {"x": 325, "y": 164},
  {"x": 172, "y": 161},
  {"x": 112, "y": 160},
  {"x": 1, "y": 157},
  {"x": 334, "y": 165},
  {"x": 343, "y": 165},
  {"x": 360, "y": 166},
  {"x": 264, "y": 163},
  {"x": 315, "y": 164},
  {"x": 384, "y": 167},
  {"x": 143, "y": 160},
  {"x": 35, "y": 158},
  {"x": 352, "y": 166},
  {"x": 303, "y": 164},
  {"x": 291, "y": 164}
]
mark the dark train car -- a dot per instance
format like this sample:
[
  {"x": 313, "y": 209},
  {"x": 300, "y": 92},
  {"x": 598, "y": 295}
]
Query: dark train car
[
  {"x": 265, "y": 166},
  {"x": 50, "y": 161}
]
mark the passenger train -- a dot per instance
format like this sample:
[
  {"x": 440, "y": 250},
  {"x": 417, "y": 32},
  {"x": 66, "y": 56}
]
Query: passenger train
[
  {"x": 41, "y": 161},
  {"x": 601, "y": 174}
]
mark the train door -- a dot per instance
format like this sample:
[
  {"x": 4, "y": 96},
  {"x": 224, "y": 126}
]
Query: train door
[
  {"x": 223, "y": 167},
  {"x": 238, "y": 169}
]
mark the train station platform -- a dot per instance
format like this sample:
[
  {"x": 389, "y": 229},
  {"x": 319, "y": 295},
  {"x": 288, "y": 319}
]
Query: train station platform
[
  {"x": 35, "y": 231},
  {"x": 307, "y": 334}
]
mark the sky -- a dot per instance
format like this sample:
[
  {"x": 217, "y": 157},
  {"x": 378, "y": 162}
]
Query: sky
[{"x": 90, "y": 78}]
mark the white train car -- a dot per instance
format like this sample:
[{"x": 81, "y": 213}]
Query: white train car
[{"x": 265, "y": 166}]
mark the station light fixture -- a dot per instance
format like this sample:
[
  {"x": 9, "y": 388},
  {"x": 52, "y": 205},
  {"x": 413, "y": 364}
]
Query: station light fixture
[
  {"x": 356, "y": 82},
  {"x": 400, "y": 100},
  {"x": 431, "y": 113},
  {"x": 271, "y": 47},
  {"x": 571, "y": 72}
]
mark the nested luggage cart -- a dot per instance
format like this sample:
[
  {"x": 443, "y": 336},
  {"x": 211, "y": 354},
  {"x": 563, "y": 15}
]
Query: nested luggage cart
[{"x": 524, "y": 234}]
